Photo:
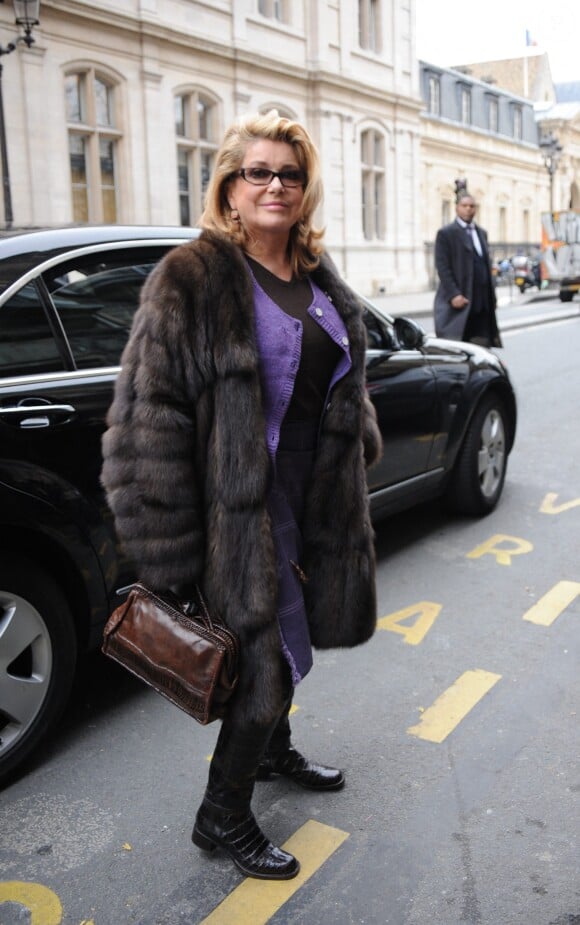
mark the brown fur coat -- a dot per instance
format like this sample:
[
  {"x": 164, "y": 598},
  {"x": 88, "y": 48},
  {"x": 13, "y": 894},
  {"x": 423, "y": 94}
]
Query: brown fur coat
[{"x": 186, "y": 467}]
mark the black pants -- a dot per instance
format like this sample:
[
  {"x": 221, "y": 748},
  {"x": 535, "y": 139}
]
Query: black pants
[
  {"x": 239, "y": 750},
  {"x": 479, "y": 328}
]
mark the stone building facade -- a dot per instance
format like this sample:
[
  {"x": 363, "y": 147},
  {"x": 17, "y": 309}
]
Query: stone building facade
[
  {"x": 475, "y": 131},
  {"x": 529, "y": 76},
  {"x": 117, "y": 110},
  {"x": 556, "y": 110}
]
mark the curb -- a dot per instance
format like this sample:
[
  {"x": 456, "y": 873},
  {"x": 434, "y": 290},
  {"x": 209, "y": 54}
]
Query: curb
[{"x": 533, "y": 320}]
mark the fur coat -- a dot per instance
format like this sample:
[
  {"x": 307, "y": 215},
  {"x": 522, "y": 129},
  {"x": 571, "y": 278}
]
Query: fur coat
[{"x": 186, "y": 468}]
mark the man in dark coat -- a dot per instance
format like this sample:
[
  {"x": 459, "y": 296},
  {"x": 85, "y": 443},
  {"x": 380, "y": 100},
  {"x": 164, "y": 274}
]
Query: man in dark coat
[{"x": 465, "y": 300}]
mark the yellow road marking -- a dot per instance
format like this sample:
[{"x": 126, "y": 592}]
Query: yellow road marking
[
  {"x": 502, "y": 554},
  {"x": 426, "y": 613},
  {"x": 549, "y": 506},
  {"x": 551, "y": 605},
  {"x": 44, "y": 905},
  {"x": 453, "y": 705},
  {"x": 254, "y": 902}
]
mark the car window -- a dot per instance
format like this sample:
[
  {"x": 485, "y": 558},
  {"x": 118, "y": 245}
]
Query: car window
[
  {"x": 27, "y": 345},
  {"x": 379, "y": 335},
  {"x": 96, "y": 298}
]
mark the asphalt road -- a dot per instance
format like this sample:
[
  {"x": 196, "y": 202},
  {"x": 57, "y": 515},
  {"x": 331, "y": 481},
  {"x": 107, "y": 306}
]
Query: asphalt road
[{"x": 456, "y": 725}]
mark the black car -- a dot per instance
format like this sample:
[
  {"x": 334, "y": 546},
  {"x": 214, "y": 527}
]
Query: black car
[{"x": 447, "y": 412}]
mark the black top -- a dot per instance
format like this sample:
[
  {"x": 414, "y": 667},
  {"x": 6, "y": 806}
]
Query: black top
[{"x": 319, "y": 355}]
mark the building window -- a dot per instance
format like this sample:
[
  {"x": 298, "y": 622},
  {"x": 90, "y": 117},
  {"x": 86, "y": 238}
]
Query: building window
[
  {"x": 274, "y": 9},
  {"x": 373, "y": 184},
  {"x": 445, "y": 212},
  {"x": 502, "y": 223},
  {"x": 434, "y": 101},
  {"x": 492, "y": 114},
  {"x": 465, "y": 100},
  {"x": 93, "y": 141},
  {"x": 518, "y": 122},
  {"x": 195, "y": 118},
  {"x": 282, "y": 111},
  {"x": 526, "y": 225},
  {"x": 369, "y": 25}
]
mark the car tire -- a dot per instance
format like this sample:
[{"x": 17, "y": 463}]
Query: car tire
[
  {"x": 39, "y": 653},
  {"x": 566, "y": 296},
  {"x": 479, "y": 473}
]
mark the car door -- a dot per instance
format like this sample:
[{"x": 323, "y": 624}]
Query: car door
[
  {"x": 403, "y": 389},
  {"x": 61, "y": 338}
]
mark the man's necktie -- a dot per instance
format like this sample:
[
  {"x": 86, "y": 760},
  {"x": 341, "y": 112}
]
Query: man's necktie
[{"x": 475, "y": 239}]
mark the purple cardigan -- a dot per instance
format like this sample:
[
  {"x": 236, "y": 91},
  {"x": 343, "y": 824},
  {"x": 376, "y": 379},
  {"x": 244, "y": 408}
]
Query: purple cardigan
[{"x": 279, "y": 339}]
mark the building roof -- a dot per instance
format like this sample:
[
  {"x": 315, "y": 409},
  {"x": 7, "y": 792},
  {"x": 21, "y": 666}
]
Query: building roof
[
  {"x": 529, "y": 76},
  {"x": 565, "y": 111},
  {"x": 568, "y": 92}
]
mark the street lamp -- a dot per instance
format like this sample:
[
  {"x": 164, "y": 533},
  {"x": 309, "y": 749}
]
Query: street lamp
[
  {"x": 551, "y": 154},
  {"x": 460, "y": 188},
  {"x": 25, "y": 15}
]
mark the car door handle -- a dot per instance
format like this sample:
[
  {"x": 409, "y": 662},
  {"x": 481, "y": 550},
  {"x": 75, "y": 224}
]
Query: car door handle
[{"x": 32, "y": 416}]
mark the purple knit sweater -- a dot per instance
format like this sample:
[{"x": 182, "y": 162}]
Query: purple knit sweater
[
  {"x": 279, "y": 339},
  {"x": 279, "y": 343}
]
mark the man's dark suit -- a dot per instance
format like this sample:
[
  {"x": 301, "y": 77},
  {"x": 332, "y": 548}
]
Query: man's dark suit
[{"x": 455, "y": 260}]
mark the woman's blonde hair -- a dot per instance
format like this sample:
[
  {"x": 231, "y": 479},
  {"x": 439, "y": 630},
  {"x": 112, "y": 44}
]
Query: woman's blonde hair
[{"x": 305, "y": 244}]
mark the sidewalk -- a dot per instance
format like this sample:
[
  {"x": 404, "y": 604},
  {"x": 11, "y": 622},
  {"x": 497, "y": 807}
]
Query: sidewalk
[{"x": 511, "y": 311}]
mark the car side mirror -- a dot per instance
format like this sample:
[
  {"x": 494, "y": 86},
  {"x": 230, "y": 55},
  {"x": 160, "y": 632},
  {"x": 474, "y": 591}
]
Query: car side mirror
[{"x": 409, "y": 334}]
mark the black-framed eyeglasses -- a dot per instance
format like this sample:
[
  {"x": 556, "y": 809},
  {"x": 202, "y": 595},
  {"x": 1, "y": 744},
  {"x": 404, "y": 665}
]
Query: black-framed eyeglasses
[{"x": 261, "y": 176}]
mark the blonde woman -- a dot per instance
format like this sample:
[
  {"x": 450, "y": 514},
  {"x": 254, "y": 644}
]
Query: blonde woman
[{"x": 235, "y": 457}]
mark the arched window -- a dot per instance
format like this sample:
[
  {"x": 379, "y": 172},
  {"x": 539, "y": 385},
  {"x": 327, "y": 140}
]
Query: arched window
[
  {"x": 282, "y": 110},
  {"x": 373, "y": 183},
  {"x": 274, "y": 9},
  {"x": 195, "y": 129},
  {"x": 93, "y": 140}
]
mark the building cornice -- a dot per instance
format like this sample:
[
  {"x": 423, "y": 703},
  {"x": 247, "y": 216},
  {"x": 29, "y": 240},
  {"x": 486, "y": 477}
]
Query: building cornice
[{"x": 150, "y": 27}]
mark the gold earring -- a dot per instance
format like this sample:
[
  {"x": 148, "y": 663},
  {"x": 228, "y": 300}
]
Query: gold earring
[{"x": 235, "y": 215}]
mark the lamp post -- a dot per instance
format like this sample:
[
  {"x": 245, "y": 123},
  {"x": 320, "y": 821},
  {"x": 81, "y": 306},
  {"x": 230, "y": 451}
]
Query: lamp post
[
  {"x": 25, "y": 15},
  {"x": 460, "y": 188},
  {"x": 551, "y": 154}
]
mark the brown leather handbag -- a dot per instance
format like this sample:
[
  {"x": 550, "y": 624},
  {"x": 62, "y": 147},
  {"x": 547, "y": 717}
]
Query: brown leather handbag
[{"x": 191, "y": 659}]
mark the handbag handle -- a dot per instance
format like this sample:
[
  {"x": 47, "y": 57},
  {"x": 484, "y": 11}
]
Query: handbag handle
[
  {"x": 204, "y": 612},
  {"x": 184, "y": 606}
]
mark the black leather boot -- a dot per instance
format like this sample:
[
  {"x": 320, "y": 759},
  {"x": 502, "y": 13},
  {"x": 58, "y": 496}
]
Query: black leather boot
[
  {"x": 240, "y": 836},
  {"x": 282, "y": 758},
  {"x": 295, "y": 766},
  {"x": 225, "y": 819}
]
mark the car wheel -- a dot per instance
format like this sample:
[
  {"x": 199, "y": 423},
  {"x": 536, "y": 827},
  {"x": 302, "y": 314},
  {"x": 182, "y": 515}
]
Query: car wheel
[
  {"x": 566, "y": 296},
  {"x": 37, "y": 658},
  {"x": 479, "y": 473}
]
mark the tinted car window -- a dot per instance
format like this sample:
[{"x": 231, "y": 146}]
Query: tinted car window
[
  {"x": 96, "y": 298},
  {"x": 379, "y": 336},
  {"x": 27, "y": 345}
]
